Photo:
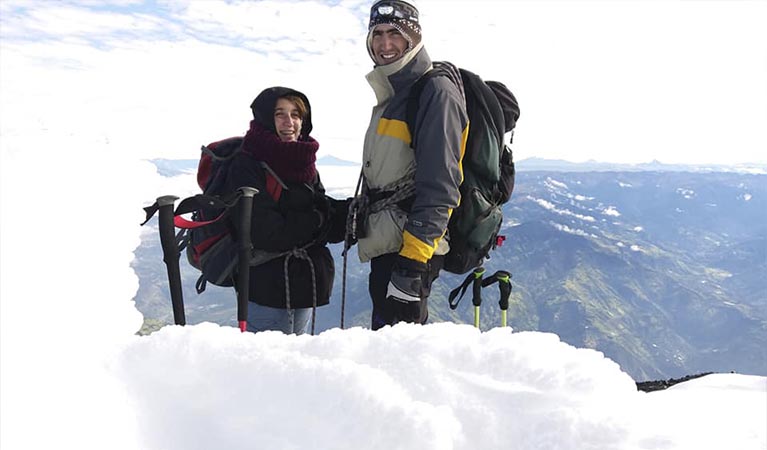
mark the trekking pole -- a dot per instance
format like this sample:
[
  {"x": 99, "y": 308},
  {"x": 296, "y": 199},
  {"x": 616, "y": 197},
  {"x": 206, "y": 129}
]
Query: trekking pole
[
  {"x": 343, "y": 287},
  {"x": 477, "y": 293},
  {"x": 243, "y": 273},
  {"x": 504, "y": 284},
  {"x": 475, "y": 280},
  {"x": 170, "y": 256},
  {"x": 350, "y": 234},
  {"x": 503, "y": 278}
]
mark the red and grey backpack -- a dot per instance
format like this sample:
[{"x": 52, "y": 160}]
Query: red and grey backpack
[{"x": 210, "y": 237}]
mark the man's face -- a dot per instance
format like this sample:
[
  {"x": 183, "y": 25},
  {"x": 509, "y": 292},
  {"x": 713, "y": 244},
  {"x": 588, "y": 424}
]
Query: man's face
[{"x": 388, "y": 44}]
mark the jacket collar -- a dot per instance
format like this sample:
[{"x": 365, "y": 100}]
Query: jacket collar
[{"x": 399, "y": 75}]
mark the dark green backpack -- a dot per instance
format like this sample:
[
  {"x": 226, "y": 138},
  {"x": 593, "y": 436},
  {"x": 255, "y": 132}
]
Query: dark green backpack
[{"x": 488, "y": 167}]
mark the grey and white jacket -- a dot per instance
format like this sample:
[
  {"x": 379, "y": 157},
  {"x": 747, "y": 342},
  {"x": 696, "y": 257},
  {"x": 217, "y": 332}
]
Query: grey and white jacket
[{"x": 427, "y": 158}]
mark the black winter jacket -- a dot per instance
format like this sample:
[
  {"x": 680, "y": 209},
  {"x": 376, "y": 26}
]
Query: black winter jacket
[{"x": 297, "y": 220}]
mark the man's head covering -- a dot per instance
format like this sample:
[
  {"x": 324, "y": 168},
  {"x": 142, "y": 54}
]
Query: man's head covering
[{"x": 401, "y": 14}]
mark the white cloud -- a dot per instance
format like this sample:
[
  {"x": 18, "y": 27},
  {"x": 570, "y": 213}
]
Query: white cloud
[
  {"x": 564, "y": 212},
  {"x": 209, "y": 58},
  {"x": 686, "y": 193},
  {"x": 554, "y": 183},
  {"x": 65, "y": 21},
  {"x": 543, "y": 203},
  {"x": 566, "y": 229}
]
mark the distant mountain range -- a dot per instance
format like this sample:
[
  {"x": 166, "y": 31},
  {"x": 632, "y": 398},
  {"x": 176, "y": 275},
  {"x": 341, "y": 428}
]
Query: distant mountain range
[
  {"x": 171, "y": 167},
  {"x": 662, "y": 271},
  {"x": 558, "y": 165}
]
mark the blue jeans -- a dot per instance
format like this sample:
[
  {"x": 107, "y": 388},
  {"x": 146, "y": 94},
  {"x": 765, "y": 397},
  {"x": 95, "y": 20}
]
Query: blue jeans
[{"x": 289, "y": 321}]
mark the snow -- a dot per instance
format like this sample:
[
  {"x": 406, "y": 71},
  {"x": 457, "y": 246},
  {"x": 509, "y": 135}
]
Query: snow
[{"x": 71, "y": 360}]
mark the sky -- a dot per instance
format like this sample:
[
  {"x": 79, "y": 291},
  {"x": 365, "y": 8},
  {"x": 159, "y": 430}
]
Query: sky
[
  {"x": 88, "y": 93},
  {"x": 613, "y": 81}
]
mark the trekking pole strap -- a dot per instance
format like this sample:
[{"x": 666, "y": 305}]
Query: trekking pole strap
[
  {"x": 150, "y": 212},
  {"x": 503, "y": 278},
  {"x": 164, "y": 202},
  {"x": 459, "y": 290},
  {"x": 191, "y": 204},
  {"x": 182, "y": 240},
  {"x": 474, "y": 279}
]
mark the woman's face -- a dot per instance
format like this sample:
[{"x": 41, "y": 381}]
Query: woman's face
[{"x": 287, "y": 120}]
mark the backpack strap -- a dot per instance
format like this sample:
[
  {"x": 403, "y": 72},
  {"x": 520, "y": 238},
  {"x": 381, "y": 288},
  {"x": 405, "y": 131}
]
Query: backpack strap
[
  {"x": 274, "y": 184},
  {"x": 439, "y": 68},
  {"x": 491, "y": 99}
]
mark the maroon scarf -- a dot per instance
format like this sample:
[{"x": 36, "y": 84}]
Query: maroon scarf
[{"x": 292, "y": 161}]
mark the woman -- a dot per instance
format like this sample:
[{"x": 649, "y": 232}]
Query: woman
[{"x": 292, "y": 218}]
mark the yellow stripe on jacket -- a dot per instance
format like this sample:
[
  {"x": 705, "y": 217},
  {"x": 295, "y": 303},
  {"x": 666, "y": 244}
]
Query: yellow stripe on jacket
[{"x": 394, "y": 128}]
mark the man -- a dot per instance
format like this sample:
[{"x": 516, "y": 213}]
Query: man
[{"x": 411, "y": 177}]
